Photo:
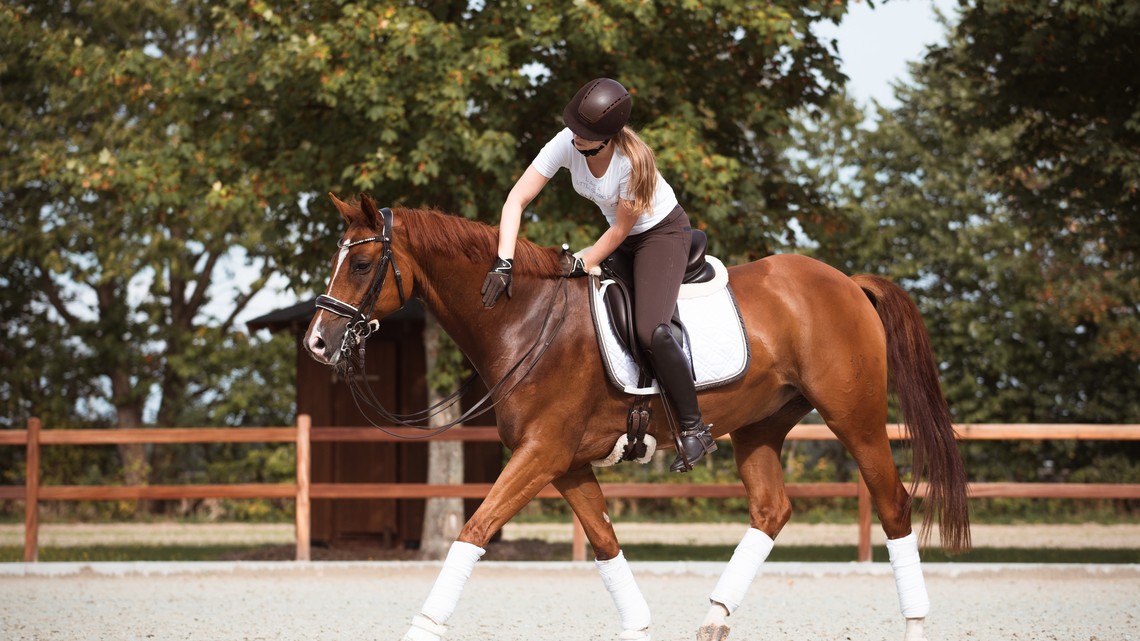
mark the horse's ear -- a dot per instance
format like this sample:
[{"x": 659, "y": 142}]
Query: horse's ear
[
  {"x": 346, "y": 210},
  {"x": 371, "y": 214}
]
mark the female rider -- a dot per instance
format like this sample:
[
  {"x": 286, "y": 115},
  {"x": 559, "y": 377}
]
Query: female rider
[{"x": 610, "y": 165}]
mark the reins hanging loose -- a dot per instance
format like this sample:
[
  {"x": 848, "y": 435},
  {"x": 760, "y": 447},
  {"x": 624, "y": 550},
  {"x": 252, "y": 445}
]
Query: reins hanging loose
[{"x": 365, "y": 398}]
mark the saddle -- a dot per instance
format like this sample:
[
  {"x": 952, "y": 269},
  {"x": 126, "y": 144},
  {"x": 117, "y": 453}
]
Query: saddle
[
  {"x": 619, "y": 302},
  {"x": 717, "y": 350}
]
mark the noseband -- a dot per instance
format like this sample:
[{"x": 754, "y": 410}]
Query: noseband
[{"x": 360, "y": 322}]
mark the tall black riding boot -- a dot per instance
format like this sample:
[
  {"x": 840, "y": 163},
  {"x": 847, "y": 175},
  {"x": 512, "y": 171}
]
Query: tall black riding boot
[{"x": 674, "y": 375}]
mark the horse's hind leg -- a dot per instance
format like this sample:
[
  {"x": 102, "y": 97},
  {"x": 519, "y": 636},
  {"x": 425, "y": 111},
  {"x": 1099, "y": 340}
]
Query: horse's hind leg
[
  {"x": 864, "y": 435},
  {"x": 757, "y": 451},
  {"x": 581, "y": 490}
]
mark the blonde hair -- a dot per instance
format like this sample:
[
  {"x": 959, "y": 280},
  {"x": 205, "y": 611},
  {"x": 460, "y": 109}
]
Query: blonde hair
[{"x": 643, "y": 178}]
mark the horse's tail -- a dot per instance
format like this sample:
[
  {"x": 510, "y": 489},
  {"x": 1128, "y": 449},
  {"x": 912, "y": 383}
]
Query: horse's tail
[{"x": 925, "y": 414}]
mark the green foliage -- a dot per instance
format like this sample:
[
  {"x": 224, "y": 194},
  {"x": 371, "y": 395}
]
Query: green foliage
[
  {"x": 126, "y": 191},
  {"x": 927, "y": 202},
  {"x": 1060, "y": 74},
  {"x": 122, "y": 553},
  {"x": 1059, "y": 77},
  {"x": 151, "y": 147},
  {"x": 992, "y": 196}
]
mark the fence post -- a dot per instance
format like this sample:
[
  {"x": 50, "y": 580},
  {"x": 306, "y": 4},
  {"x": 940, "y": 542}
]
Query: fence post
[
  {"x": 32, "y": 494},
  {"x": 864, "y": 497},
  {"x": 302, "y": 509}
]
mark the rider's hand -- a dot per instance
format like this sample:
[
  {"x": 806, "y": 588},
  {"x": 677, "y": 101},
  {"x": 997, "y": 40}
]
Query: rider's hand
[
  {"x": 498, "y": 281},
  {"x": 572, "y": 266}
]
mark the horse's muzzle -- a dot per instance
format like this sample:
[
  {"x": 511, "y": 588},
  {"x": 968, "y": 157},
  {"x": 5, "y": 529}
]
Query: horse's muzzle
[{"x": 324, "y": 349}]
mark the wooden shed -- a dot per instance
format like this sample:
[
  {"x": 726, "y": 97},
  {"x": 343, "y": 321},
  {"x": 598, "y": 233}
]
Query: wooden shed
[{"x": 397, "y": 375}]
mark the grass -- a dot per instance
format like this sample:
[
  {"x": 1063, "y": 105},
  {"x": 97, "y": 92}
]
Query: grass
[
  {"x": 119, "y": 553},
  {"x": 561, "y": 552}
]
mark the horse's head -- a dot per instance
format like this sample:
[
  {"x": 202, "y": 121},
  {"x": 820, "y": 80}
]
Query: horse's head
[{"x": 366, "y": 283}]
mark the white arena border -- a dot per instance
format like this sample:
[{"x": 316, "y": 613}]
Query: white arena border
[{"x": 695, "y": 568}]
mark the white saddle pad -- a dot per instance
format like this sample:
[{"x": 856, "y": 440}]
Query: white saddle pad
[{"x": 714, "y": 341}]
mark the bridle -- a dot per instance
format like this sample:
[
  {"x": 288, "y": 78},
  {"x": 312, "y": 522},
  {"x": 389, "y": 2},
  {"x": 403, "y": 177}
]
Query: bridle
[{"x": 360, "y": 327}]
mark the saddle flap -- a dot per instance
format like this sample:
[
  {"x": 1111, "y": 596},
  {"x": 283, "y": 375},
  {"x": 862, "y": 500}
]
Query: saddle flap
[{"x": 714, "y": 337}]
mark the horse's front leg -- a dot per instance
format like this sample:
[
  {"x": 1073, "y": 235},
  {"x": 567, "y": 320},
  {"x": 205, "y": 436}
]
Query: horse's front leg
[
  {"x": 526, "y": 473},
  {"x": 581, "y": 490}
]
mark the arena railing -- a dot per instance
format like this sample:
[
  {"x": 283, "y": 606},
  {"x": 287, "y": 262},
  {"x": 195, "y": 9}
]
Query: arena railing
[{"x": 303, "y": 490}]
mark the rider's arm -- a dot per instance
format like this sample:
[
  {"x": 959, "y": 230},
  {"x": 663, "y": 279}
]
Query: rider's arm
[
  {"x": 609, "y": 241},
  {"x": 524, "y": 191}
]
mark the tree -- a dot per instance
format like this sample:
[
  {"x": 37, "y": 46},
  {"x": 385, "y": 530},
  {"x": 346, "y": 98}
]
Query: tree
[
  {"x": 445, "y": 103},
  {"x": 129, "y": 183},
  {"x": 152, "y": 145},
  {"x": 1061, "y": 76},
  {"x": 925, "y": 205},
  {"x": 930, "y": 199}
]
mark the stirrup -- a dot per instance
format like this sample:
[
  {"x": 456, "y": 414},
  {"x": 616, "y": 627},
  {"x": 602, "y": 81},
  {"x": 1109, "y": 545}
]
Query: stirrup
[{"x": 700, "y": 437}]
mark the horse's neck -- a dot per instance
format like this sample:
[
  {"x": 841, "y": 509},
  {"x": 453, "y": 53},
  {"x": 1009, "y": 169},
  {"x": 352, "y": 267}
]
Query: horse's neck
[
  {"x": 493, "y": 339},
  {"x": 449, "y": 284}
]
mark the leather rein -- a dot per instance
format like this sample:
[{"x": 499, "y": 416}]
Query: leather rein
[{"x": 361, "y": 326}]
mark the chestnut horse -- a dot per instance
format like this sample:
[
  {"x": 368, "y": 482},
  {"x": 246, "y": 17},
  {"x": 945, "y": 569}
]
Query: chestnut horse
[{"x": 818, "y": 339}]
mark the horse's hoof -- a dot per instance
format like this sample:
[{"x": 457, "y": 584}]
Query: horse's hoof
[
  {"x": 634, "y": 635},
  {"x": 914, "y": 631},
  {"x": 713, "y": 632},
  {"x": 424, "y": 629}
]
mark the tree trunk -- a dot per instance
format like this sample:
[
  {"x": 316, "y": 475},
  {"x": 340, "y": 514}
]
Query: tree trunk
[
  {"x": 443, "y": 517},
  {"x": 132, "y": 456}
]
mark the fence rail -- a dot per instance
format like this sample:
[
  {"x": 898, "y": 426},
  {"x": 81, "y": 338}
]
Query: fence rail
[{"x": 304, "y": 490}]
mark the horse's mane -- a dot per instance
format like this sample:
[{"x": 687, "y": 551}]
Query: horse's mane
[{"x": 433, "y": 232}]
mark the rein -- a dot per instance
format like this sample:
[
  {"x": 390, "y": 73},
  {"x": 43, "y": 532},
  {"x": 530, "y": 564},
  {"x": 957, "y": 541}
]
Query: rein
[
  {"x": 365, "y": 398},
  {"x": 360, "y": 328}
]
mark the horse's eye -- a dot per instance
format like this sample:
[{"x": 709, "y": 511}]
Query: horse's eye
[{"x": 361, "y": 266}]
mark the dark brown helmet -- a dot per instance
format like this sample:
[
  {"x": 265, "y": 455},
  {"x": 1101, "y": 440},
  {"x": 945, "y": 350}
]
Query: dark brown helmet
[{"x": 599, "y": 110}]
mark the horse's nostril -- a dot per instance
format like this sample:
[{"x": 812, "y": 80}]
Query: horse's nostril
[{"x": 317, "y": 344}]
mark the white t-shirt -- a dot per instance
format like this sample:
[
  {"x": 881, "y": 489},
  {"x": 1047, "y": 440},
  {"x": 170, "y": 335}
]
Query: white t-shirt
[{"x": 604, "y": 191}]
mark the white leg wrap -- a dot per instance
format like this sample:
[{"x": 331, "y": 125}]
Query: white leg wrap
[
  {"x": 631, "y": 605},
  {"x": 750, "y": 553},
  {"x": 444, "y": 594},
  {"x": 913, "y": 601}
]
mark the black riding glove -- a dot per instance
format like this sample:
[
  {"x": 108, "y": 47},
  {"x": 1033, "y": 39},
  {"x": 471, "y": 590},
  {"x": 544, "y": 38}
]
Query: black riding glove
[
  {"x": 498, "y": 281},
  {"x": 572, "y": 266}
]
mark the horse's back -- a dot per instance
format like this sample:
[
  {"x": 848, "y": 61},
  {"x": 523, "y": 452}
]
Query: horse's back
[
  {"x": 796, "y": 283},
  {"x": 804, "y": 315}
]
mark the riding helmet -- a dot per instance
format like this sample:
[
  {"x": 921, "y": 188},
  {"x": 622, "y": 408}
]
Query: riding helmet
[{"x": 599, "y": 110}]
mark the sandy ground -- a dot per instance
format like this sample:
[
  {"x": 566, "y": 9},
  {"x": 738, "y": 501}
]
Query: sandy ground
[
  {"x": 564, "y": 601},
  {"x": 1024, "y": 536}
]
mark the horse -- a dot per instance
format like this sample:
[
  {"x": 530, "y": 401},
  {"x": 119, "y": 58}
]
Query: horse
[{"x": 819, "y": 339}]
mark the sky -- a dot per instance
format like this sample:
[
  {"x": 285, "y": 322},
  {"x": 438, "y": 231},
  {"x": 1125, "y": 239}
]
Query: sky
[{"x": 875, "y": 46}]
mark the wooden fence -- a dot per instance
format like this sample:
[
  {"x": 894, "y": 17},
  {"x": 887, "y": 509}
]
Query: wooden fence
[{"x": 304, "y": 490}]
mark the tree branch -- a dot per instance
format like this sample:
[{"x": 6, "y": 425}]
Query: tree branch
[
  {"x": 54, "y": 297},
  {"x": 201, "y": 285}
]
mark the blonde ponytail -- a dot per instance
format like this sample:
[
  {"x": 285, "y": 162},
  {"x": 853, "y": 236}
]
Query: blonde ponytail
[{"x": 643, "y": 177}]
